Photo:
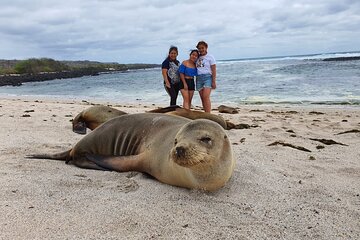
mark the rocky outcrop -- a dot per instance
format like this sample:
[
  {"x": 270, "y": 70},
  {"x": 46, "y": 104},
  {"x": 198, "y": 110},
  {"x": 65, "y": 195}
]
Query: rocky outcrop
[
  {"x": 342, "y": 58},
  {"x": 17, "y": 80}
]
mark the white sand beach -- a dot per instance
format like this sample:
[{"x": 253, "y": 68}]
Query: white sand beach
[{"x": 286, "y": 185}]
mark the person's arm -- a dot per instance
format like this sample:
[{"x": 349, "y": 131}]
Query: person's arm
[
  {"x": 213, "y": 75},
  {"x": 165, "y": 76},
  {"x": 182, "y": 76}
]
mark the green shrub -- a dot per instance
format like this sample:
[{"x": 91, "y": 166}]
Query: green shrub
[{"x": 35, "y": 66}]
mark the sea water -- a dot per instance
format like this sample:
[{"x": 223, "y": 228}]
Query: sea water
[{"x": 291, "y": 80}]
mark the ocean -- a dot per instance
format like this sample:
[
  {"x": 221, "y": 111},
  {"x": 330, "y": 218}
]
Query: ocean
[{"x": 301, "y": 80}]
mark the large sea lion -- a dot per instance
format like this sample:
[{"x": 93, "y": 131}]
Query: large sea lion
[{"x": 192, "y": 154}]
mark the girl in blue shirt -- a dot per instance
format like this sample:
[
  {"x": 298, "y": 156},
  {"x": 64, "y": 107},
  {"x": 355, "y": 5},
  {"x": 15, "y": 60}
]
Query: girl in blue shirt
[{"x": 187, "y": 72}]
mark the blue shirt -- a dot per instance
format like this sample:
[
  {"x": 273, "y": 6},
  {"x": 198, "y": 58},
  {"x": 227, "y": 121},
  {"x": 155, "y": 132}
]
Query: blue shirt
[{"x": 188, "y": 71}]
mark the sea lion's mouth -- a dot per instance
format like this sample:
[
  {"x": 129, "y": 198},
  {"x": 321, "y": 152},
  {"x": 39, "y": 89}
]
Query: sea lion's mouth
[{"x": 187, "y": 156}]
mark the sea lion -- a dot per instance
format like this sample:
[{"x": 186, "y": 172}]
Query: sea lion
[
  {"x": 93, "y": 116},
  {"x": 190, "y": 114},
  {"x": 165, "y": 109},
  {"x": 227, "y": 109},
  {"x": 177, "y": 151}
]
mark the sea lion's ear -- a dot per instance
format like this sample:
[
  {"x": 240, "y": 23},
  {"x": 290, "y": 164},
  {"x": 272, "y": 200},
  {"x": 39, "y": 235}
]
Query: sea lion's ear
[{"x": 225, "y": 137}]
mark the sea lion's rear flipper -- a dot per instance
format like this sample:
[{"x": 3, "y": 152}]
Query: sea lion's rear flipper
[
  {"x": 64, "y": 156},
  {"x": 81, "y": 162},
  {"x": 118, "y": 163}
]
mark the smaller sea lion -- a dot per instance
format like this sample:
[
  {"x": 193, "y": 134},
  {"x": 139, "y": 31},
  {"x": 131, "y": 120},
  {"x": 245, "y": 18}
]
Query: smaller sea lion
[
  {"x": 93, "y": 116},
  {"x": 165, "y": 109}
]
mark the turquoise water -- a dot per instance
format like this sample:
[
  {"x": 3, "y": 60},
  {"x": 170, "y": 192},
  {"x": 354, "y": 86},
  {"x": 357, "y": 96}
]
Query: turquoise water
[{"x": 291, "y": 80}]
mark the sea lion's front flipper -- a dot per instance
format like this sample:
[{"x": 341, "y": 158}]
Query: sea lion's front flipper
[
  {"x": 118, "y": 163},
  {"x": 84, "y": 162}
]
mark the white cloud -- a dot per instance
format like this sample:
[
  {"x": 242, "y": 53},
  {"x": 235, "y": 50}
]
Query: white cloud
[{"x": 141, "y": 31}]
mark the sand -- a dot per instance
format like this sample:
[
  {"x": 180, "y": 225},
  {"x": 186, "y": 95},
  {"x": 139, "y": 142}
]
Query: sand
[{"x": 286, "y": 185}]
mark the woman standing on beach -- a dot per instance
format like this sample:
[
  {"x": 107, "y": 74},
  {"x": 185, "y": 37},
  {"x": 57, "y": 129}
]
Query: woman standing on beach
[
  {"x": 187, "y": 73},
  {"x": 170, "y": 73},
  {"x": 206, "y": 79}
]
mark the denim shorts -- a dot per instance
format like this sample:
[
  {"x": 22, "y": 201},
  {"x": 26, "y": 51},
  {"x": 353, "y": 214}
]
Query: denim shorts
[{"x": 203, "y": 81}]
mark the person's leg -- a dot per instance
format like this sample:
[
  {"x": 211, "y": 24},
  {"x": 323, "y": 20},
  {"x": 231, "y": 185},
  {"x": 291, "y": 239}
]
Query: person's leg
[
  {"x": 191, "y": 94},
  {"x": 172, "y": 93},
  {"x": 191, "y": 89},
  {"x": 176, "y": 88},
  {"x": 167, "y": 90},
  {"x": 185, "y": 95},
  {"x": 205, "y": 98}
]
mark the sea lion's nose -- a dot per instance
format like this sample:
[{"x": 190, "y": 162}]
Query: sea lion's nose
[{"x": 180, "y": 151}]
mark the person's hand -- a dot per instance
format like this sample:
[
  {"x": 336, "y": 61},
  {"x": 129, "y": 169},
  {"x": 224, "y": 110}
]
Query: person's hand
[
  {"x": 213, "y": 85},
  {"x": 168, "y": 85},
  {"x": 186, "y": 87}
]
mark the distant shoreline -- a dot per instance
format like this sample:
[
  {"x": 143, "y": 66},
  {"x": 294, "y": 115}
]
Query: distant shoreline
[
  {"x": 19, "y": 79},
  {"x": 84, "y": 70},
  {"x": 318, "y": 57},
  {"x": 342, "y": 58}
]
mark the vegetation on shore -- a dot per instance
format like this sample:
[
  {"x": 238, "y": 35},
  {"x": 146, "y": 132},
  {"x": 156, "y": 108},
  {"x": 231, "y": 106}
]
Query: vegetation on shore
[{"x": 15, "y": 72}]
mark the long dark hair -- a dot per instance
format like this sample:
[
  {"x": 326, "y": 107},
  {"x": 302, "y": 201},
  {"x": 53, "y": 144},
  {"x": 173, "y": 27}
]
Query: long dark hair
[
  {"x": 172, "y": 48},
  {"x": 194, "y": 50},
  {"x": 202, "y": 43}
]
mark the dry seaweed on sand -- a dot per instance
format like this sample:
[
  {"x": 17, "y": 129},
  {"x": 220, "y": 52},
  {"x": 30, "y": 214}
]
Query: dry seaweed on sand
[
  {"x": 350, "y": 131},
  {"x": 327, "y": 141},
  {"x": 289, "y": 145}
]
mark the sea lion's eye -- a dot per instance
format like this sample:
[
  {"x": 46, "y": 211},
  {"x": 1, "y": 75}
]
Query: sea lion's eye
[{"x": 206, "y": 140}]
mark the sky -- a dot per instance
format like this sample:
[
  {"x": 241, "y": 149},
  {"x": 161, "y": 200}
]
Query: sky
[{"x": 141, "y": 31}]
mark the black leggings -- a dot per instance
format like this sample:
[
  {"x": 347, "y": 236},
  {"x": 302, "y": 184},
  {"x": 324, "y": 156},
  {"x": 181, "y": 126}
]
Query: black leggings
[{"x": 173, "y": 92}]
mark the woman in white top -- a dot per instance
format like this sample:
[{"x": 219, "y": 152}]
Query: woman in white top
[{"x": 206, "y": 79}]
